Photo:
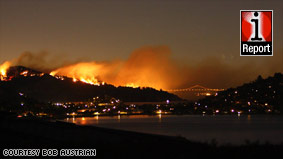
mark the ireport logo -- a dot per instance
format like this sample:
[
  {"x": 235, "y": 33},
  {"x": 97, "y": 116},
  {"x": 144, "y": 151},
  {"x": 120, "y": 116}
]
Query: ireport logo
[{"x": 256, "y": 32}]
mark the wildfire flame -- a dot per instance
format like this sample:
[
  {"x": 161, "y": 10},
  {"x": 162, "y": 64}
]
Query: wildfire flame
[
  {"x": 3, "y": 70},
  {"x": 91, "y": 72},
  {"x": 132, "y": 85},
  {"x": 84, "y": 72},
  {"x": 25, "y": 73},
  {"x": 145, "y": 67}
]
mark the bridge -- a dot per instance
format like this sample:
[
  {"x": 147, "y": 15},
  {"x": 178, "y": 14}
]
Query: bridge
[{"x": 197, "y": 88}]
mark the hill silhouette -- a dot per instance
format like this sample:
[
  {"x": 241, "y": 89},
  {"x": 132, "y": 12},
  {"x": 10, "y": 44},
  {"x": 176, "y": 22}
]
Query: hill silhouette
[
  {"x": 46, "y": 88},
  {"x": 258, "y": 96}
]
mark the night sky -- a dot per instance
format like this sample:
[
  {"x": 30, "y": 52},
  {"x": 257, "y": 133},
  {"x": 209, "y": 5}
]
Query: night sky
[{"x": 90, "y": 30}]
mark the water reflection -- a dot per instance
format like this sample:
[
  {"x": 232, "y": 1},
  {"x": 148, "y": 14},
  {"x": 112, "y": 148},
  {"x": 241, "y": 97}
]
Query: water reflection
[
  {"x": 105, "y": 119},
  {"x": 74, "y": 120},
  {"x": 83, "y": 121},
  {"x": 96, "y": 119},
  {"x": 249, "y": 117},
  {"x": 224, "y": 128},
  {"x": 159, "y": 118},
  {"x": 119, "y": 118}
]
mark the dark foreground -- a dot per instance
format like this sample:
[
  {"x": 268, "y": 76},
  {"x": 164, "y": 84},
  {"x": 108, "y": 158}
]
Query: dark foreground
[{"x": 37, "y": 133}]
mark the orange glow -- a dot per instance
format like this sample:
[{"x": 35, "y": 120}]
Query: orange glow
[
  {"x": 3, "y": 70},
  {"x": 132, "y": 85},
  {"x": 84, "y": 72},
  {"x": 159, "y": 112},
  {"x": 24, "y": 73},
  {"x": 208, "y": 94},
  {"x": 146, "y": 67}
]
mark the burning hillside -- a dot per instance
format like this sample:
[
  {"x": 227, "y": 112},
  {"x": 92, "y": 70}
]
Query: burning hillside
[
  {"x": 46, "y": 88},
  {"x": 146, "y": 67},
  {"x": 8, "y": 73},
  {"x": 85, "y": 72}
]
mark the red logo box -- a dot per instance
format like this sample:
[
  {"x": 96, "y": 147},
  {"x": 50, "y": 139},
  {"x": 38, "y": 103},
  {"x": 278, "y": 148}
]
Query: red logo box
[{"x": 256, "y": 32}]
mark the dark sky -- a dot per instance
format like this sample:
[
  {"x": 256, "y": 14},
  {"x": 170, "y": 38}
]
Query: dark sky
[{"x": 107, "y": 30}]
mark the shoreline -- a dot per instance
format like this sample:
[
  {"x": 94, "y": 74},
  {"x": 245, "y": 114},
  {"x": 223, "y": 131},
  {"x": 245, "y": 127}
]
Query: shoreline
[
  {"x": 115, "y": 115},
  {"x": 165, "y": 123},
  {"x": 110, "y": 143}
]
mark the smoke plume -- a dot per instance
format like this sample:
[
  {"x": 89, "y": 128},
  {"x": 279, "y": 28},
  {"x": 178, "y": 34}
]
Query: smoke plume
[{"x": 154, "y": 67}]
